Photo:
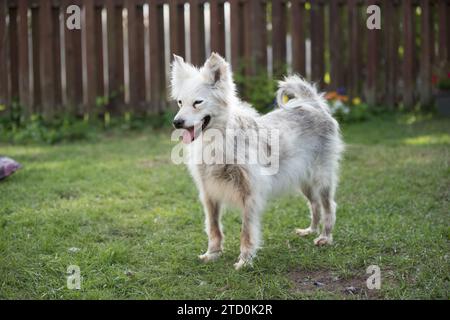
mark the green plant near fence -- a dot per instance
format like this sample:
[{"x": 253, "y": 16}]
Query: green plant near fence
[
  {"x": 16, "y": 128},
  {"x": 259, "y": 89}
]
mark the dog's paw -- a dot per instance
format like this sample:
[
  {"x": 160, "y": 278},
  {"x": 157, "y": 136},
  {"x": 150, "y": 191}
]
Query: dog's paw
[
  {"x": 323, "y": 240},
  {"x": 209, "y": 257},
  {"x": 305, "y": 232},
  {"x": 243, "y": 264}
]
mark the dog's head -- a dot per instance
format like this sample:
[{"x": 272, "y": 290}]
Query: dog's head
[{"x": 201, "y": 94}]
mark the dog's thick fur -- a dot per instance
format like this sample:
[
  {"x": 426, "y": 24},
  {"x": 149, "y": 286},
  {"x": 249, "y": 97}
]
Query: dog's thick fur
[{"x": 310, "y": 147}]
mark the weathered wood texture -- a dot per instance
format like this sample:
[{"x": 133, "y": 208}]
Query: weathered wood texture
[{"x": 117, "y": 62}]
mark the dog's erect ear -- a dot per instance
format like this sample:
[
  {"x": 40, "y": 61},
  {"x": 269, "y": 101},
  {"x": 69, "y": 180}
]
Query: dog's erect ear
[
  {"x": 216, "y": 69},
  {"x": 177, "y": 58},
  {"x": 180, "y": 71}
]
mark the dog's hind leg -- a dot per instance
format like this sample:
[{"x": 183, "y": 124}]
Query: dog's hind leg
[
  {"x": 250, "y": 234},
  {"x": 213, "y": 229},
  {"x": 315, "y": 210},
  {"x": 328, "y": 216}
]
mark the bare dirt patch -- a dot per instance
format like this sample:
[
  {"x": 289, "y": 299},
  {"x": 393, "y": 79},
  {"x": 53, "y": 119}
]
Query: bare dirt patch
[
  {"x": 152, "y": 163},
  {"x": 352, "y": 286}
]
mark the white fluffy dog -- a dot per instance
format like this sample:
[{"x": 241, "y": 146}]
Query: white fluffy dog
[{"x": 307, "y": 149}]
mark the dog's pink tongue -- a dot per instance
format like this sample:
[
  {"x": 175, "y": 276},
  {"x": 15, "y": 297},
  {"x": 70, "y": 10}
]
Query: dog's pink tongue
[{"x": 188, "y": 135}]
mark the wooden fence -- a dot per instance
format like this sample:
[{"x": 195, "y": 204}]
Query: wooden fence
[{"x": 122, "y": 50}]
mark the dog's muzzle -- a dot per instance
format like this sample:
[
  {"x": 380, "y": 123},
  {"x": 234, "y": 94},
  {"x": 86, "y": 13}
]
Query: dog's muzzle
[{"x": 191, "y": 133}]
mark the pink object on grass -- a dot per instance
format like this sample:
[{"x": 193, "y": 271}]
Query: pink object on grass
[{"x": 8, "y": 166}]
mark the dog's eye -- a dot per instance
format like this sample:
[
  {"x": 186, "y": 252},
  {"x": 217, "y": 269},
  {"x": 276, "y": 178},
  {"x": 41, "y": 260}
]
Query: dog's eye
[
  {"x": 197, "y": 102},
  {"x": 179, "y": 102}
]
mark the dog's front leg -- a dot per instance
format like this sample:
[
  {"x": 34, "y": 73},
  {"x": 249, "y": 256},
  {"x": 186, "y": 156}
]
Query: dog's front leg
[
  {"x": 250, "y": 235},
  {"x": 213, "y": 229}
]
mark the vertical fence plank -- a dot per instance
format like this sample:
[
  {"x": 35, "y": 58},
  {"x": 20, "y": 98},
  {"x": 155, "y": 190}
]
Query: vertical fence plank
[
  {"x": 36, "y": 66},
  {"x": 74, "y": 64},
  {"x": 317, "y": 41},
  {"x": 136, "y": 53},
  {"x": 248, "y": 14},
  {"x": 24, "y": 68},
  {"x": 416, "y": 48},
  {"x": 100, "y": 85},
  {"x": 443, "y": 54},
  {"x": 197, "y": 32},
  {"x": 90, "y": 84},
  {"x": 237, "y": 35},
  {"x": 177, "y": 28},
  {"x": 279, "y": 37},
  {"x": 298, "y": 37},
  {"x": 181, "y": 47},
  {"x": 132, "y": 54},
  {"x": 260, "y": 50},
  {"x": 47, "y": 58},
  {"x": 408, "y": 55},
  {"x": 56, "y": 42},
  {"x": 114, "y": 30},
  {"x": 3, "y": 55},
  {"x": 255, "y": 38},
  {"x": 390, "y": 29},
  {"x": 157, "y": 62},
  {"x": 13, "y": 55},
  {"x": 372, "y": 63},
  {"x": 448, "y": 31},
  {"x": 433, "y": 35},
  {"x": 336, "y": 48},
  {"x": 425, "y": 54},
  {"x": 262, "y": 24},
  {"x": 140, "y": 60},
  {"x": 217, "y": 27},
  {"x": 354, "y": 41}
]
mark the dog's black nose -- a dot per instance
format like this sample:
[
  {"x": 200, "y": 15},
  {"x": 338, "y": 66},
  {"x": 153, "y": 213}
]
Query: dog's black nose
[{"x": 178, "y": 123}]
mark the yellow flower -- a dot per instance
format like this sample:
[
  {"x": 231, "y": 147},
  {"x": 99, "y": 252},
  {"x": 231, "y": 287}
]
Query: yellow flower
[
  {"x": 327, "y": 78},
  {"x": 2, "y": 107},
  {"x": 356, "y": 101}
]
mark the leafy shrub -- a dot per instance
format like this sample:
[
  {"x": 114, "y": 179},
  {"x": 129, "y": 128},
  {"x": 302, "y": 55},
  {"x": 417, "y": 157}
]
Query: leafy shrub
[
  {"x": 258, "y": 90},
  {"x": 35, "y": 129},
  {"x": 16, "y": 128}
]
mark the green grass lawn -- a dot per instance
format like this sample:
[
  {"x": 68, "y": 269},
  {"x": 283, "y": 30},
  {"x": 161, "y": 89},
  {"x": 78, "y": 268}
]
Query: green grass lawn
[{"x": 137, "y": 222}]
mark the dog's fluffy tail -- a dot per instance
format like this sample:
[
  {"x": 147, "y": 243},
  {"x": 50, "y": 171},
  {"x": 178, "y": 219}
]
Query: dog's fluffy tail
[{"x": 299, "y": 91}]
